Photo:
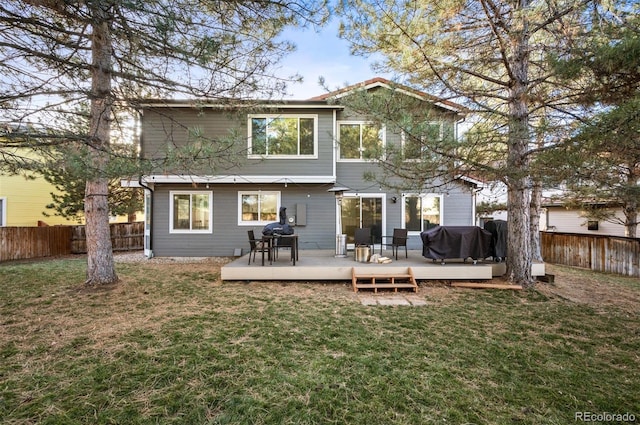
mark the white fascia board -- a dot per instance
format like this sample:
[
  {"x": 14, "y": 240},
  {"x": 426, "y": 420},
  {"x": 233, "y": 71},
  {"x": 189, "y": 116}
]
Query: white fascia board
[
  {"x": 130, "y": 183},
  {"x": 136, "y": 183},
  {"x": 238, "y": 179},
  {"x": 471, "y": 180}
]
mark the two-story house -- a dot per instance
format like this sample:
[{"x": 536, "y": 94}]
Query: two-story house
[{"x": 291, "y": 153}]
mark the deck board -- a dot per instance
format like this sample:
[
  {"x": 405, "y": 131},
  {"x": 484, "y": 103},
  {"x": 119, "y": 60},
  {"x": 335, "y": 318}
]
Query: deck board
[{"x": 314, "y": 265}]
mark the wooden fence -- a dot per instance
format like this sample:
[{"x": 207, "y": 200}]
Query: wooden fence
[
  {"x": 610, "y": 254},
  {"x": 124, "y": 237},
  {"x": 19, "y": 243}
]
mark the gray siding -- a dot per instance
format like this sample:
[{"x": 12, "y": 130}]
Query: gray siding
[
  {"x": 457, "y": 200},
  {"x": 166, "y": 127},
  {"x": 319, "y": 232}
]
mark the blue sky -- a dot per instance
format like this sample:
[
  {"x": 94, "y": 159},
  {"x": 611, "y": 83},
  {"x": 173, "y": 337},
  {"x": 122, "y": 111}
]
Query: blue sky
[{"x": 322, "y": 54}]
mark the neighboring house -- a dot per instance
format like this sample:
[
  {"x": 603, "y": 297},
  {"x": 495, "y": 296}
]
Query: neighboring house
[
  {"x": 556, "y": 217},
  {"x": 293, "y": 153},
  {"x": 23, "y": 201}
]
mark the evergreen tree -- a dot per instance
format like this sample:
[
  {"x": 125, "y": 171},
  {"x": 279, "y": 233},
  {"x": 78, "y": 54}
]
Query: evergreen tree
[
  {"x": 58, "y": 54},
  {"x": 492, "y": 56},
  {"x": 600, "y": 162}
]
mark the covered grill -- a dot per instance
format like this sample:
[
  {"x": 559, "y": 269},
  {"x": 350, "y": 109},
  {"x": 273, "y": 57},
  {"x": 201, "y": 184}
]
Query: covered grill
[{"x": 449, "y": 242}]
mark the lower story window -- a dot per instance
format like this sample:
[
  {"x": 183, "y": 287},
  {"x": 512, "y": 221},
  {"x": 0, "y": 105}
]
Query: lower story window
[
  {"x": 422, "y": 212},
  {"x": 258, "y": 207},
  {"x": 191, "y": 212}
]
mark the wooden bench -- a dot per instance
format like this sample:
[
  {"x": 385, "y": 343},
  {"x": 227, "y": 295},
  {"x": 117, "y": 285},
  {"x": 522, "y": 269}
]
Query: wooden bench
[{"x": 378, "y": 280}]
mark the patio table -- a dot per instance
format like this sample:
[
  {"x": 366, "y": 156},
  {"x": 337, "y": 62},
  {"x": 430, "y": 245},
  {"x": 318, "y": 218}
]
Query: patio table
[{"x": 270, "y": 240}]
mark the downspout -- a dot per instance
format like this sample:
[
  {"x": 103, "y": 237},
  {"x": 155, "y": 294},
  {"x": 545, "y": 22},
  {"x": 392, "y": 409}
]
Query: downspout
[
  {"x": 144, "y": 185},
  {"x": 150, "y": 209},
  {"x": 335, "y": 145},
  {"x": 474, "y": 198},
  {"x": 138, "y": 132}
]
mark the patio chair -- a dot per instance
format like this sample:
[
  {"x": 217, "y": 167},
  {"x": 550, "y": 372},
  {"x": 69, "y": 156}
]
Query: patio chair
[
  {"x": 398, "y": 239},
  {"x": 362, "y": 237},
  {"x": 281, "y": 243},
  {"x": 257, "y": 245}
]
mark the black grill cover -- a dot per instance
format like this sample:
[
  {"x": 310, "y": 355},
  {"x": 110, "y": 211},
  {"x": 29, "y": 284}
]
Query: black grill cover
[
  {"x": 443, "y": 242},
  {"x": 279, "y": 228},
  {"x": 498, "y": 230}
]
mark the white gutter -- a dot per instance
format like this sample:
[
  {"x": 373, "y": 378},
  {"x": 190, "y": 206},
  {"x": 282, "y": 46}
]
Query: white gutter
[
  {"x": 219, "y": 106},
  {"x": 217, "y": 179}
]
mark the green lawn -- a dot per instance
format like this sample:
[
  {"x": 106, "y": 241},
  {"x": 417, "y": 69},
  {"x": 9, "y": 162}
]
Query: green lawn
[{"x": 172, "y": 344}]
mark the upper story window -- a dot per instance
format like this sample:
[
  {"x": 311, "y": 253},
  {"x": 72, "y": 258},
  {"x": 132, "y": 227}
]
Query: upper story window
[
  {"x": 258, "y": 207},
  {"x": 416, "y": 146},
  {"x": 422, "y": 212},
  {"x": 360, "y": 140},
  {"x": 283, "y": 136},
  {"x": 191, "y": 212}
]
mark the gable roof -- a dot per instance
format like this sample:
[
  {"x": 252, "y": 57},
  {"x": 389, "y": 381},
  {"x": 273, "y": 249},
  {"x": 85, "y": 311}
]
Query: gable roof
[{"x": 383, "y": 82}]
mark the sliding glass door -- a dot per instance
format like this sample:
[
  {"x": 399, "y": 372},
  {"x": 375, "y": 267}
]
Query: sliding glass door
[{"x": 362, "y": 211}]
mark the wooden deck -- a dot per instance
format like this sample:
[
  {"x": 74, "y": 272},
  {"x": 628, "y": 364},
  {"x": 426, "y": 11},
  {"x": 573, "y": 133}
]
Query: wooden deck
[{"x": 313, "y": 265}]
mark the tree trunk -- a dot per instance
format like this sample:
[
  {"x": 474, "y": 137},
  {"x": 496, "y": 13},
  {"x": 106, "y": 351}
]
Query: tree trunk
[
  {"x": 630, "y": 220},
  {"x": 518, "y": 237},
  {"x": 518, "y": 181},
  {"x": 534, "y": 215},
  {"x": 100, "y": 264},
  {"x": 632, "y": 204}
]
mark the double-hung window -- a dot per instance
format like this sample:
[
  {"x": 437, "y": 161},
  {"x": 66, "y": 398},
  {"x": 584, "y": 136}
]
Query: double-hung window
[
  {"x": 360, "y": 140},
  {"x": 422, "y": 212},
  {"x": 191, "y": 212},
  {"x": 258, "y": 207},
  {"x": 416, "y": 144},
  {"x": 283, "y": 136}
]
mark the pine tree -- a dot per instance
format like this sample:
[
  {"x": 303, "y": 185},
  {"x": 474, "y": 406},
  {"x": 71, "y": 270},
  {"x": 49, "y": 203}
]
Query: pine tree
[
  {"x": 58, "y": 55},
  {"x": 492, "y": 56}
]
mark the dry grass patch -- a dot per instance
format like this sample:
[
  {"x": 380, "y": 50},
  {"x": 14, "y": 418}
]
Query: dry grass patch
[
  {"x": 173, "y": 344},
  {"x": 598, "y": 290}
]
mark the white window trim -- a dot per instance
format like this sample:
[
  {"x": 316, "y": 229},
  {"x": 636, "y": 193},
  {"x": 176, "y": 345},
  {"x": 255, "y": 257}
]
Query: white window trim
[
  {"x": 257, "y": 192},
  {"x": 190, "y": 192},
  {"x": 3, "y": 216},
  {"x": 297, "y": 156},
  {"x": 403, "y": 138},
  {"x": 383, "y": 141},
  {"x": 421, "y": 195}
]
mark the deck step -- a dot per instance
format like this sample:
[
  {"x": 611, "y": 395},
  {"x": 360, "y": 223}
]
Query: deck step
[
  {"x": 375, "y": 281},
  {"x": 384, "y": 285},
  {"x": 383, "y": 276}
]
